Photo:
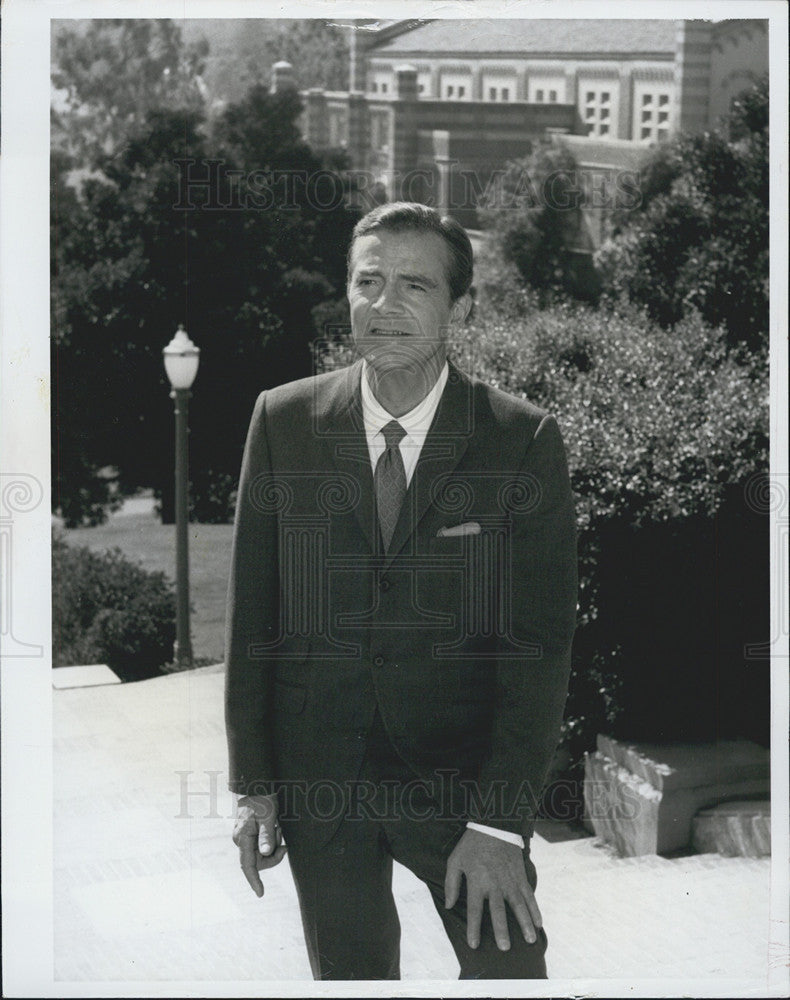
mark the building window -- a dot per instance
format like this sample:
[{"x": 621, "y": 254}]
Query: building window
[
  {"x": 654, "y": 125},
  {"x": 505, "y": 93},
  {"x": 420, "y": 88},
  {"x": 600, "y": 110},
  {"x": 492, "y": 93},
  {"x": 455, "y": 86},
  {"x": 374, "y": 87},
  {"x": 547, "y": 89},
  {"x": 384, "y": 88}
]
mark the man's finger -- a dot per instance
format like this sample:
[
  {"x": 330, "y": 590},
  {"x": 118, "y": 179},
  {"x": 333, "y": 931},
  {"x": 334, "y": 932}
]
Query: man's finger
[
  {"x": 474, "y": 917},
  {"x": 452, "y": 885},
  {"x": 270, "y": 860},
  {"x": 245, "y": 826},
  {"x": 249, "y": 863},
  {"x": 524, "y": 918},
  {"x": 532, "y": 906},
  {"x": 496, "y": 905},
  {"x": 267, "y": 838}
]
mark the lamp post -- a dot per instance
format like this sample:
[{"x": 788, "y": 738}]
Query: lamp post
[{"x": 181, "y": 364}]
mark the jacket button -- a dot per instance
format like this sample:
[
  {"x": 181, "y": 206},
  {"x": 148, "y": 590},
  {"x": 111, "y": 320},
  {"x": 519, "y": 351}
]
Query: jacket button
[
  {"x": 378, "y": 661},
  {"x": 384, "y": 585}
]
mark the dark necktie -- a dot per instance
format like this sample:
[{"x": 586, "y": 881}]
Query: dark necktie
[{"x": 389, "y": 481}]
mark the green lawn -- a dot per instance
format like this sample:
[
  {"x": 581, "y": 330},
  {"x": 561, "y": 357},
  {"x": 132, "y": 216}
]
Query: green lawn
[{"x": 139, "y": 535}]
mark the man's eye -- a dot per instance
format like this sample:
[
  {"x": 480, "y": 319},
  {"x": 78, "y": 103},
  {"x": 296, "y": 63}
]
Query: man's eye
[{"x": 416, "y": 287}]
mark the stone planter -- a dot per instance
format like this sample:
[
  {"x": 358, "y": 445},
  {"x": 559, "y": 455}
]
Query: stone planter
[{"x": 642, "y": 798}]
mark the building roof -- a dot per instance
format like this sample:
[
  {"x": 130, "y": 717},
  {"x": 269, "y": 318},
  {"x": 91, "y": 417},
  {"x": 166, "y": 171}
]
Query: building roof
[{"x": 544, "y": 36}]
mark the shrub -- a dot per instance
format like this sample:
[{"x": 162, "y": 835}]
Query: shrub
[
  {"x": 107, "y": 609},
  {"x": 665, "y": 432},
  {"x": 656, "y": 422}
]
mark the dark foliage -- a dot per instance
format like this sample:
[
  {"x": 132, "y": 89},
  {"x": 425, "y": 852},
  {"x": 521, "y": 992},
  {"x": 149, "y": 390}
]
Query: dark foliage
[
  {"x": 534, "y": 215},
  {"x": 699, "y": 239},
  {"x": 106, "y": 609},
  {"x": 131, "y": 260}
]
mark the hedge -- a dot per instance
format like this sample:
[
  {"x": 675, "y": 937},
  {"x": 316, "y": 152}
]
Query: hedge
[{"x": 107, "y": 609}]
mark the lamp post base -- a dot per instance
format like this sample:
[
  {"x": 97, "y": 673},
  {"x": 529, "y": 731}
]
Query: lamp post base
[{"x": 182, "y": 656}]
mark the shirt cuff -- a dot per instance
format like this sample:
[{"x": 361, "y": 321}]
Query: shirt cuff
[{"x": 511, "y": 838}]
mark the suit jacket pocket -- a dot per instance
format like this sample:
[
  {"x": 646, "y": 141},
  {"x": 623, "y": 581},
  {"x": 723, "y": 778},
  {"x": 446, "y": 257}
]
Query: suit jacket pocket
[{"x": 451, "y": 545}]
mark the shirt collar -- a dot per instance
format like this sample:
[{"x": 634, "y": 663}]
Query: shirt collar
[{"x": 416, "y": 422}]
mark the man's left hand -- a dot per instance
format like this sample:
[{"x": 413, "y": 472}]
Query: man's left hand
[{"x": 494, "y": 870}]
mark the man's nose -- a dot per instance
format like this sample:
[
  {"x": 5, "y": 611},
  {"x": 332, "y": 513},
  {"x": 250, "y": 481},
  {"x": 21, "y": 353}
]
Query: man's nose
[{"x": 388, "y": 300}]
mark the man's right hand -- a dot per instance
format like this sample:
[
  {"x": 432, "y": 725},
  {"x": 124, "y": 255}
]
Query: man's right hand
[{"x": 258, "y": 837}]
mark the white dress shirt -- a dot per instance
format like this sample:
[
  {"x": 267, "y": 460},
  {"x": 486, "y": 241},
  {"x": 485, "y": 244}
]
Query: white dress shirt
[{"x": 416, "y": 424}]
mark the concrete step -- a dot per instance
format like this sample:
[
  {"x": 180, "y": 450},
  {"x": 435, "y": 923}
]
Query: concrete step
[{"x": 740, "y": 829}]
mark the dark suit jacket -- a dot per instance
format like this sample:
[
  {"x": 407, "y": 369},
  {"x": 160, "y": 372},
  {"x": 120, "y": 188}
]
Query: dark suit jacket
[{"x": 463, "y": 642}]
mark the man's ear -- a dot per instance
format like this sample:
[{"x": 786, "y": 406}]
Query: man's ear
[{"x": 460, "y": 309}]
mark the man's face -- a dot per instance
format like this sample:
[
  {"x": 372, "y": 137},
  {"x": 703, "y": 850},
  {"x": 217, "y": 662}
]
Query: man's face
[{"x": 401, "y": 309}]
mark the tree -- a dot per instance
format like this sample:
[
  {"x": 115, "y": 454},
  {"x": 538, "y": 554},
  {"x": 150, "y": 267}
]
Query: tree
[
  {"x": 139, "y": 252},
  {"x": 244, "y": 50},
  {"x": 699, "y": 239},
  {"x": 535, "y": 216},
  {"x": 109, "y": 74}
]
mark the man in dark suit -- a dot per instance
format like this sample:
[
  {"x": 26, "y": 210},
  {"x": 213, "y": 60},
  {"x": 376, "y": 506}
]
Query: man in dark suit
[{"x": 401, "y": 608}]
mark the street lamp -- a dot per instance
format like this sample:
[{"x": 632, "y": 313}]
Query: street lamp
[{"x": 181, "y": 364}]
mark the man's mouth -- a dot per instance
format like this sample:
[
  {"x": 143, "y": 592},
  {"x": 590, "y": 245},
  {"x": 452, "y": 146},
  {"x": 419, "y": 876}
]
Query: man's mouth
[{"x": 380, "y": 331}]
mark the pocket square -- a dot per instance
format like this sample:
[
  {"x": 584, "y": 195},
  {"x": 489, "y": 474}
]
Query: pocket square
[{"x": 467, "y": 528}]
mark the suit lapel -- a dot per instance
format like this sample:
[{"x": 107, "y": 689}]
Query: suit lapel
[
  {"x": 447, "y": 440},
  {"x": 341, "y": 426}
]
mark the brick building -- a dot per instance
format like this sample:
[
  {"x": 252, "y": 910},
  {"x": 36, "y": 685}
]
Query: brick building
[{"x": 435, "y": 107}]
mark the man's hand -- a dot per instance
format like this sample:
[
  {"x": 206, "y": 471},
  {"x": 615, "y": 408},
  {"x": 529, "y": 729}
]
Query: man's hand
[
  {"x": 494, "y": 870},
  {"x": 258, "y": 837}
]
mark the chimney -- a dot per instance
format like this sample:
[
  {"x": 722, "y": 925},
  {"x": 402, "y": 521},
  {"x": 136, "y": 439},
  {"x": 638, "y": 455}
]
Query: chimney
[
  {"x": 282, "y": 77},
  {"x": 406, "y": 83},
  {"x": 692, "y": 75},
  {"x": 363, "y": 36}
]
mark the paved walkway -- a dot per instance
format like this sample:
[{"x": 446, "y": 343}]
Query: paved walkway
[{"x": 147, "y": 884}]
